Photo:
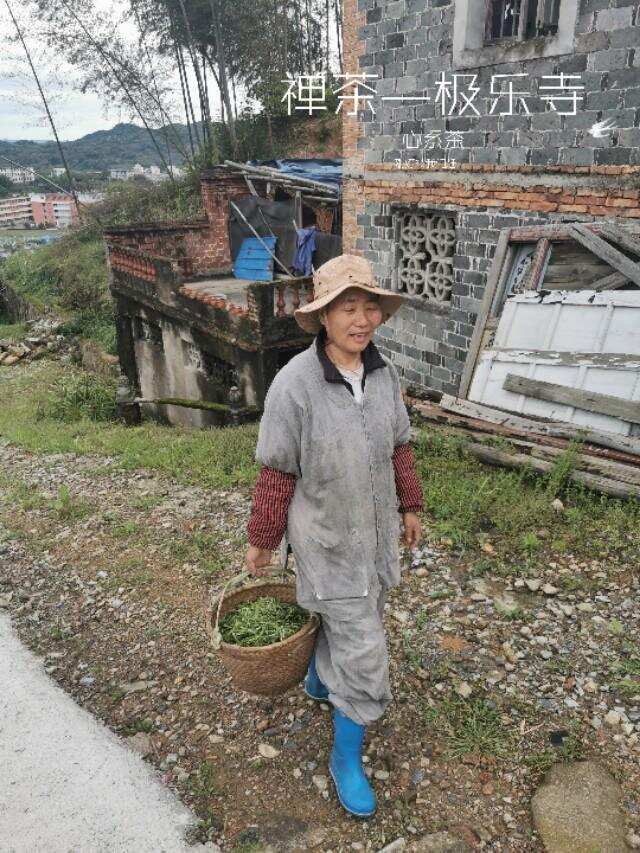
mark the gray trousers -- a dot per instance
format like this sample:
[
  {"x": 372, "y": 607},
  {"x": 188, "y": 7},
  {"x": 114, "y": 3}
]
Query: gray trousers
[{"x": 351, "y": 655}]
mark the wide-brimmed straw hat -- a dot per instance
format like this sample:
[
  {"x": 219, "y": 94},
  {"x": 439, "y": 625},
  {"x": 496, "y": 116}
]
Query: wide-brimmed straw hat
[{"x": 336, "y": 276}]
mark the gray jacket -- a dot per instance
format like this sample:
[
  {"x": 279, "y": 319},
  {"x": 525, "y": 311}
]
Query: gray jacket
[{"x": 343, "y": 521}]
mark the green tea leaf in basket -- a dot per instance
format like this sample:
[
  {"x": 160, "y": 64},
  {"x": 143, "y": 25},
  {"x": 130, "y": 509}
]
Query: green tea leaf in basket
[{"x": 262, "y": 622}]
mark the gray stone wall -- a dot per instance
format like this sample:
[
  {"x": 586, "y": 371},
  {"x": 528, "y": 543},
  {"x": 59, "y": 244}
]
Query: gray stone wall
[
  {"x": 409, "y": 43},
  {"x": 428, "y": 343}
]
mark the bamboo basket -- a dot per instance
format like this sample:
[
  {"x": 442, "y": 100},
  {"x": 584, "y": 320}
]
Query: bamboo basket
[{"x": 262, "y": 670}]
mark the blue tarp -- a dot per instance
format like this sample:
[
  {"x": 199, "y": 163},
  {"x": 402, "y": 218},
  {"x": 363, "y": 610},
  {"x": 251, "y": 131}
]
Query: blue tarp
[{"x": 327, "y": 171}]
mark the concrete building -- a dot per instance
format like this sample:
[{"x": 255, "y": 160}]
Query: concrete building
[
  {"x": 151, "y": 173},
  {"x": 18, "y": 175},
  {"x": 189, "y": 329},
  {"x": 55, "y": 209},
  {"x": 487, "y": 118},
  {"x": 16, "y": 211},
  {"x": 120, "y": 173}
]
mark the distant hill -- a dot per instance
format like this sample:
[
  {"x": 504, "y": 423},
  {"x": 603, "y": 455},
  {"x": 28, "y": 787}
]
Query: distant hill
[
  {"x": 127, "y": 144},
  {"x": 123, "y": 145}
]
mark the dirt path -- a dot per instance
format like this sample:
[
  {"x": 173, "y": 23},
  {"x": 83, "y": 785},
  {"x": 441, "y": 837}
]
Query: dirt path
[{"x": 106, "y": 574}]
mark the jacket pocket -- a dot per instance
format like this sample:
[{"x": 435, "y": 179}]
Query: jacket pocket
[
  {"x": 327, "y": 457},
  {"x": 336, "y": 571}
]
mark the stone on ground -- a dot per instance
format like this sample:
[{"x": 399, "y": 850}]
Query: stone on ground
[
  {"x": 438, "y": 842},
  {"x": 577, "y": 808}
]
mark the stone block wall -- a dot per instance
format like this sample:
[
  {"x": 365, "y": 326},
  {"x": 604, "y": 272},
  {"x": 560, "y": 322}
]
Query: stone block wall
[
  {"x": 510, "y": 170},
  {"x": 409, "y": 44},
  {"x": 428, "y": 344}
]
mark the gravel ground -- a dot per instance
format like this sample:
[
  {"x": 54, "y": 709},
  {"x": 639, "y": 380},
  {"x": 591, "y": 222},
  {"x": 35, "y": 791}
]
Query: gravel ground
[{"x": 106, "y": 575}]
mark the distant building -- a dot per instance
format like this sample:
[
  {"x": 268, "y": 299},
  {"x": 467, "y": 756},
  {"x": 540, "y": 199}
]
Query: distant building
[
  {"x": 90, "y": 198},
  {"x": 151, "y": 173},
  {"x": 58, "y": 171},
  {"x": 18, "y": 175},
  {"x": 16, "y": 210},
  {"x": 120, "y": 173},
  {"x": 54, "y": 209}
]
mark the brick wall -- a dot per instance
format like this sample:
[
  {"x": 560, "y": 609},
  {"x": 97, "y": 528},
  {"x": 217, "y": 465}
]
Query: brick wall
[
  {"x": 218, "y": 187},
  {"x": 202, "y": 247},
  {"x": 510, "y": 171}
]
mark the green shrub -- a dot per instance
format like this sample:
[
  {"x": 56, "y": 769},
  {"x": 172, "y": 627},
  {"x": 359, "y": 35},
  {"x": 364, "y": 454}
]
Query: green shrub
[
  {"x": 70, "y": 276},
  {"x": 98, "y": 325},
  {"x": 81, "y": 395}
]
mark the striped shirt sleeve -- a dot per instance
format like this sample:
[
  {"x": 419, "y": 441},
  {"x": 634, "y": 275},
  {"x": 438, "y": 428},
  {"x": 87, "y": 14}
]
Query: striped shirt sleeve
[
  {"x": 408, "y": 486},
  {"x": 271, "y": 498}
]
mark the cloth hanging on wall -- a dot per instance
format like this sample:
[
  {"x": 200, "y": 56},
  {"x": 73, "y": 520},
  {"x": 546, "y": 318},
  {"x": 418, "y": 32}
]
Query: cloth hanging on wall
[{"x": 306, "y": 246}]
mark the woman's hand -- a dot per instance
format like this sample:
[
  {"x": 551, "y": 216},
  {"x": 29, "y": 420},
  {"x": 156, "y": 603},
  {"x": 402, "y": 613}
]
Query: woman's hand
[
  {"x": 412, "y": 529},
  {"x": 257, "y": 561}
]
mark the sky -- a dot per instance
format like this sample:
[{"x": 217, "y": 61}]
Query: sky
[{"x": 75, "y": 113}]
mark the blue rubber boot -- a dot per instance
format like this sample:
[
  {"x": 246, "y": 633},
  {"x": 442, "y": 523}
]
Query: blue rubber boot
[
  {"x": 345, "y": 765},
  {"x": 313, "y": 687}
]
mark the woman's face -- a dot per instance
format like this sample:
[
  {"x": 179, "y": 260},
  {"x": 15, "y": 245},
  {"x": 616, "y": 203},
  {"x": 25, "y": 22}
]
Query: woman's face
[{"x": 351, "y": 319}]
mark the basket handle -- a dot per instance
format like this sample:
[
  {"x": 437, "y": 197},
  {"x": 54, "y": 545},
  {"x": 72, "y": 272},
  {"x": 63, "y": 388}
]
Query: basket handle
[{"x": 213, "y": 630}]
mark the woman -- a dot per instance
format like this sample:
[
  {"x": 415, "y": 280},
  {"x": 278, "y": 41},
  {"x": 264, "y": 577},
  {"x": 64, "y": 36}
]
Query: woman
[{"x": 333, "y": 444}]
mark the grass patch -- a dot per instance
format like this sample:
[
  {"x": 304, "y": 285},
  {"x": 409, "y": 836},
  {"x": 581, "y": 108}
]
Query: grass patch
[
  {"x": 132, "y": 571},
  {"x": 146, "y": 501},
  {"x": 125, "y": 529},
  {"x": 627, "y": 687},
  {"x": 58, "y": 633},
  {"x": 66, "y": 508},
  {"x": 137, "y": 725},
  {"x": 26, "y": 496},
  {"x": 437, "y": 594},
  {"x": 215, "y": 458},
  {"x": 201, "y": 548},
  {"x": 205, "y": 783},
  {"x": 97, "y": 324},
  {"x": 465, "y": 499},
  {"x": 422, "y": 619},
  {"x": 572, "y": 749},
  {"x": 12, "y": 331},
  {"x": 470, "y": 726},
  {"x": 77, "y": 395}
]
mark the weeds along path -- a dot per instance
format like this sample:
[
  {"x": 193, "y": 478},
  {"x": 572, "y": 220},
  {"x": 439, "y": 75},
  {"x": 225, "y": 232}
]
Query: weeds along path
[{"x": 501, "y": 664}]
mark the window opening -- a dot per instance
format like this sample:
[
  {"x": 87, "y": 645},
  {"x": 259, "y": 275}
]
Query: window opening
[
  {"x": 147, "y": 331},
  {"x": 219, "y": 372},
  {"x": 521, "y": 20}
]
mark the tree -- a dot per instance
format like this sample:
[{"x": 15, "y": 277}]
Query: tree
[
  {"x": 6, "y": 187},
  {"x": 244, "y": 46}
]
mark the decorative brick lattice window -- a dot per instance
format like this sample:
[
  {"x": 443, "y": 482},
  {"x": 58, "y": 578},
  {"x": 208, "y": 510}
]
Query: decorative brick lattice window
[{"x": 426, "y": 243}]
